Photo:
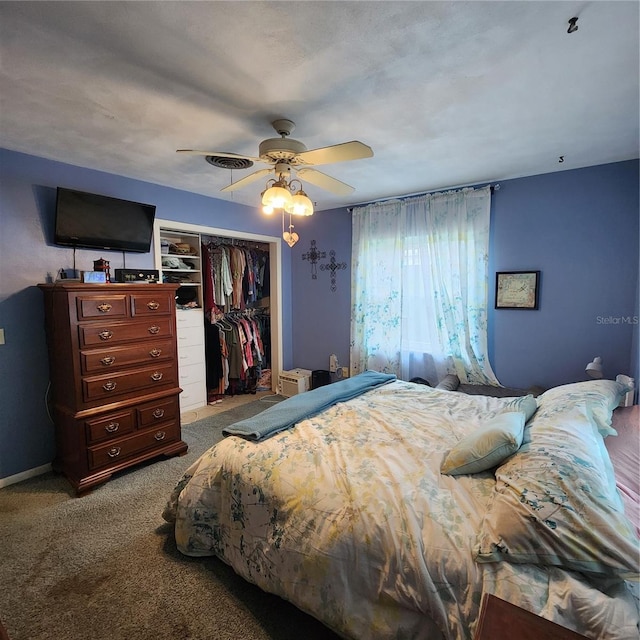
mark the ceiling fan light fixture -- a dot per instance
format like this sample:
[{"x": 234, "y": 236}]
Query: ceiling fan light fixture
[
  {"x": 276, "y": 197},
  {"x": 266, "y": 208},
  {"x": 300, "y": 205},
  {"x": 288, "y": 157}
]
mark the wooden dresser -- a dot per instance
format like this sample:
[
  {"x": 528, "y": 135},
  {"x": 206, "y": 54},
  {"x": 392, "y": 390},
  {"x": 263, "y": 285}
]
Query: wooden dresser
[
  {"x": 501, "y": 620},
  {"x": 114, "y": 377}
]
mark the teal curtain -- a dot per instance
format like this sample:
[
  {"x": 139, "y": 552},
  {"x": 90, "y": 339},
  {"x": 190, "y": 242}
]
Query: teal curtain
[{"x": 420, "y": 287}]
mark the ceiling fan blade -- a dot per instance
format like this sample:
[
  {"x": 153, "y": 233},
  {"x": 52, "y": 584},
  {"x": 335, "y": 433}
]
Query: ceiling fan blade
[
  {"x": 243, "y": 182},
  {"x": 219, "y": 154},
  {"x": 353, "y": 150},
  {"x": 325, "y": 182}
]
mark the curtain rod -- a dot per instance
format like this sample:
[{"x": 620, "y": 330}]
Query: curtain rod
[{"x": 493, "y": 187}]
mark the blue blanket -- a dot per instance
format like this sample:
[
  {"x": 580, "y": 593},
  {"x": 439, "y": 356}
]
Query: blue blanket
[{"x": 286, "y": 413}]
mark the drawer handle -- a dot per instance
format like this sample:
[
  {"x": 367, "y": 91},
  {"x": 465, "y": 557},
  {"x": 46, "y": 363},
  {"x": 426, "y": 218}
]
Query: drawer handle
[
  {"x": 108, "y": 360},
  {"x": 154, "y": 353},
  {"x": 154, "y": 329},
  {"x": 153, "y": 305},
  {"x": 104, "y": 307},
  {"x": 110, "y": 385},
  {"x": 156, "y": 375},
  {"x": 114, "y": 452},
  {"x": 158, "y": 413},
  {"x": 106, "y": 335},
  {"x": 160, "y": 435},
  {"x": 112, "y": 427}
]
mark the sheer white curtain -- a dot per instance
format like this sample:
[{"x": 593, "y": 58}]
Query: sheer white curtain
[{"x": 420, "y": 287}]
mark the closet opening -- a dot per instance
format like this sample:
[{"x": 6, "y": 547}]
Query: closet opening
[
  {"x": 236, "y": 283},
  {"x": 228, "y": 309}
]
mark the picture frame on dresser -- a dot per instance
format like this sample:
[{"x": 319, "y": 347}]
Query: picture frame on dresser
[{"x": 517, "y": 290}]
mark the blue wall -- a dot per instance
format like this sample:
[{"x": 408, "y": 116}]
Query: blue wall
[
  {"x": 579, "y": 228},
  {"x": 27, "y": 256},
  {"x": 322, "y": 316}
]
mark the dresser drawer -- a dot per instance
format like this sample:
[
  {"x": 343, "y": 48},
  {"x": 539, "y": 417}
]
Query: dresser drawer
[
  {"x": 113, "y": 333},
  {"x": 156, "y": 412},
  {"x": 152, "y": 304},
  {"x": 102, "y": 360},
  {"x": 108, "y": 306},
  {"x": 121, "y": 382},
  {"x": 109, "y": 427},
  {"x": 115, "y": 451}
]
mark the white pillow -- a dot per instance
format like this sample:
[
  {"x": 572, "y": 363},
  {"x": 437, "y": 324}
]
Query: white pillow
[
  {"x": 555, "y": 502},
  {"x": 601, "y": 397}
]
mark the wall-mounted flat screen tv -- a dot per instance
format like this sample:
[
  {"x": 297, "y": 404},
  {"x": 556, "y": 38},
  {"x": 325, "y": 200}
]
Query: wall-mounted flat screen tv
[{"x": 100, "y": 222}]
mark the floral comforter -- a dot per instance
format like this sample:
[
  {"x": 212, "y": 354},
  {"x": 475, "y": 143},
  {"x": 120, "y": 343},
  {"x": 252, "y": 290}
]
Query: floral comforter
[{"x": 347, "y": 516}]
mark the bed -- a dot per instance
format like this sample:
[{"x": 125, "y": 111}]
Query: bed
[{"x": 392, "y": 513}]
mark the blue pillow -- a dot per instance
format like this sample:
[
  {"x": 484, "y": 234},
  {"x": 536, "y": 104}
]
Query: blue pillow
[
  {"x": 526, "y": 404},
  {"x": 488, "y": 446}
]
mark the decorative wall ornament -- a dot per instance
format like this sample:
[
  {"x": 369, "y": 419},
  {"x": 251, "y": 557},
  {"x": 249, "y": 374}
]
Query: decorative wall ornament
[
  {"x": 313, "y": 255},
  {"x": 332, "y": 267}
]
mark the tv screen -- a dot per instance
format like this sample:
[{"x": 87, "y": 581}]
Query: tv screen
[{"x": 100, "y": 222}]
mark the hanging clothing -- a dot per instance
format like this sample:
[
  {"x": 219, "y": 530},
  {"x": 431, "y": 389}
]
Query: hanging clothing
[
  {"x": 238, "y": 265},
  {"x": 212, "y": 343},
  {"x": 234, "y": 277},
  {"x": 237, "y": 336},
  {"x": 235, "y": 352}
]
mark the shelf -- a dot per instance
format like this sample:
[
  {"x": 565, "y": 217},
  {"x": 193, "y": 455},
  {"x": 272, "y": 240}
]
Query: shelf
[
  {"x": 181, "y": 255},
  {"x": 175, "y": 237}
]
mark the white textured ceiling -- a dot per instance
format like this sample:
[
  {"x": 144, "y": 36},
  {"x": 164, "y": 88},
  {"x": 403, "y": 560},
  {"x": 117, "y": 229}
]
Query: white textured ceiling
[{"x": 446, "y": 93}]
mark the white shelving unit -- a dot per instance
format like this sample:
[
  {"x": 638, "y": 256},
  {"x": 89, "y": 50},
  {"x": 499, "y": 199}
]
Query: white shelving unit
[{"x": 183, "y": 247}]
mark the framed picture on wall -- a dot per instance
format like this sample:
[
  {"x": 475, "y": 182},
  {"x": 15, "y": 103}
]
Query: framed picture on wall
[{"x": 517, "y": 289}]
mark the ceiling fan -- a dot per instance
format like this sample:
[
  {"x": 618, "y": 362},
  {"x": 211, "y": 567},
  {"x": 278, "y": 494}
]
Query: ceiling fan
[{"x": 285, "y": 154}]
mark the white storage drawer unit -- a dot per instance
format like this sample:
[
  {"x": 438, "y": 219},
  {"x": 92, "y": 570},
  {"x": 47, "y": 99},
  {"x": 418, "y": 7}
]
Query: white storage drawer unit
[{"x": 191, "y": 359}]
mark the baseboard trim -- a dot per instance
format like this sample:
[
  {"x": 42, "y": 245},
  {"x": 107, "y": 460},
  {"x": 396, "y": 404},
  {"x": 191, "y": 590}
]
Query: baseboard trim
[{"x": 25, "y": 475}]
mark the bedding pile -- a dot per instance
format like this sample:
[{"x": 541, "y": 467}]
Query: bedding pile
[
  {"x": 556, "y": 503},
  {"x": 284, "y": 415},
  {"x": 624, "y": 451},
  {"x": 349, "y": 516}
]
